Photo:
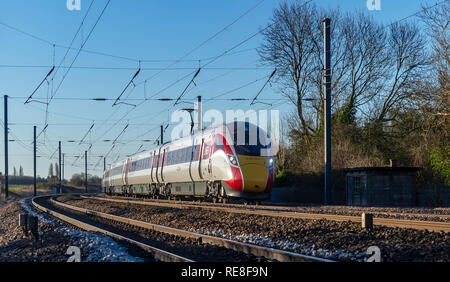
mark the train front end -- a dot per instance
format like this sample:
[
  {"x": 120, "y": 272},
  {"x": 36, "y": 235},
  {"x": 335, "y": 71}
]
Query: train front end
[{"x": 250, "y": 158}]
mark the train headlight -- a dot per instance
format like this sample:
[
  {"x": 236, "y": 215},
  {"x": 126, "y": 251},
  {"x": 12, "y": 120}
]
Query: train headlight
[
  {"x": 232, "y": 160},
  {"x": 270, "y": 162}
]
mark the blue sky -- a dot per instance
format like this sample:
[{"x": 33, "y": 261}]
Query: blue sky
[{"x": 143, "y": 30}]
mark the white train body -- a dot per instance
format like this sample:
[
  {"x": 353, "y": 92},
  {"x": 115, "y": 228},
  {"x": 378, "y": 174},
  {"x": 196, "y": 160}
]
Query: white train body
[{"x": 209, "y": 163}]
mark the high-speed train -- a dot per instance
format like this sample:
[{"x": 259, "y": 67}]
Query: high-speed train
[{"x": 234, "y": 160}]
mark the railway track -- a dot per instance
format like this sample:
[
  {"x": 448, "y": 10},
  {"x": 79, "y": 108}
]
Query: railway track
[
  {"x": 41, "y": 204},
  {"x": 78, "y": 216},
  {"x": 279, "y": 212}
]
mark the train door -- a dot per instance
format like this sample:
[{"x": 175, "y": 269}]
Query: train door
[
  {"x": 200, "y": 157},
  {"x": 125, "y": 169},
  {"x": 151, "y": 167},
  {"x": 194, "y": 166},
  {"x": 155, "y": 167},
  {"x": 205, "y": 168},
  {"x": 109, "y": 176},
  {"x": 163, "y": 157}
]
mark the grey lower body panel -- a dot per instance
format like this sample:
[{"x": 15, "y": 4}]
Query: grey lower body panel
[
  {"x": 246, "y": 195},
  {"x": 196, "y": 189}
]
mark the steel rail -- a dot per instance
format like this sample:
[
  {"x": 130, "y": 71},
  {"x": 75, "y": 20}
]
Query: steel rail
[
  {"x": 270, "y": 253},
  {"x": 158, "y": 254},
  {"x": 436, "y": 226}
]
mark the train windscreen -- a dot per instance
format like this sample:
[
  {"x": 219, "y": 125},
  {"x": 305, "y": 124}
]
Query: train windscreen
[{"x": 247, "y": 140}]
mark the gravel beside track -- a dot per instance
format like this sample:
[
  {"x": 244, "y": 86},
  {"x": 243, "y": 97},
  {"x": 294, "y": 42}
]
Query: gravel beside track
[
  {"x": 425, "y": 214},
  {"x": 344, "y": 241},
  {"x": 416, "y": 213},
  {"x": 185, "y": 247},
  {"x": 54, "y": 240}
]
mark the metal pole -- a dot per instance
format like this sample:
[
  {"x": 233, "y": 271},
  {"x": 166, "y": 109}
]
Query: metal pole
[
  {"x": 327, "y": 109},
  {"x": 59, "y": 167},
  {"x": 199, "y": 113},
  {"x": 85, "y": 170},
  {"x": 6, "y": 145},
  {"x": 34, "y": 159},
  {"x": 62, "y": 168},
  {"x": 162, "y": 135},
  {"x": 104, "y": 164}
]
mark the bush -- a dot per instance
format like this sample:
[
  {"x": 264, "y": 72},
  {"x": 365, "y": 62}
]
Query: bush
[
  {"x": 440, "y": 163},
  {"x": 284, "y": 178}
]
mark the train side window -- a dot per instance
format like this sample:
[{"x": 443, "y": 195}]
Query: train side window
[
  {"x": 188, "y": 153},
  {"x": 194, "y": 153}
]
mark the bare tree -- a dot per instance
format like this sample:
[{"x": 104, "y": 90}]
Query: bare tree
[
  {"x": 294, "y": 45},
  {"x": 57, "y": 170},
  {"x": 405, "y": 66},
  {"x": 50, "y": 171},
  {"x": 288, "y": 46},
  {"x": 437, "y": 20},
  {"x": 364, "y": 42}
]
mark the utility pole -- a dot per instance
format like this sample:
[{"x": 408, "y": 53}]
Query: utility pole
[
  {"x": 59, "y": 168},
  {"x": 104, "y": 164},
  {"x": 199, "y": 114},
  {"x": 34, "y": 160},
  {"x": 85, "y": 170},
  {"x": 162, "y": 135},
  {"x": 327, "y": 108},
  {"x": 6, "y": 145},
  {"x": 62, "y": 168}
]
